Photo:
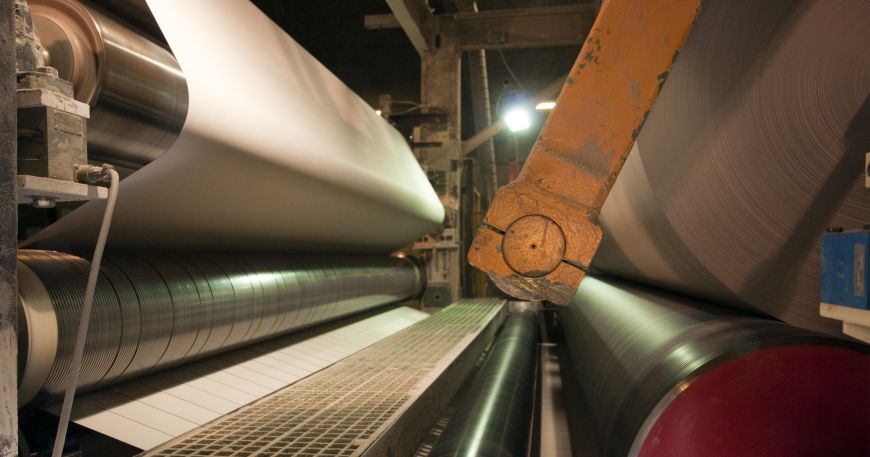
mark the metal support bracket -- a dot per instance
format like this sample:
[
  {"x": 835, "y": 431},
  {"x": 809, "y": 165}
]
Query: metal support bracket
[
  {"x": 43, "y": 192},
  {"x": 542, "y": 230}
]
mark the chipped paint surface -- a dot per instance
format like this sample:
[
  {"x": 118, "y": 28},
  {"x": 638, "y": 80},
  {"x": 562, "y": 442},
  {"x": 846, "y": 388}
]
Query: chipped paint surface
[{"x": 624, "y": 62}]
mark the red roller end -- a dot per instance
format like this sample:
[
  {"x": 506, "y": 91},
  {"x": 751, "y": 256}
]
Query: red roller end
[{"x": 789, "y": 401}]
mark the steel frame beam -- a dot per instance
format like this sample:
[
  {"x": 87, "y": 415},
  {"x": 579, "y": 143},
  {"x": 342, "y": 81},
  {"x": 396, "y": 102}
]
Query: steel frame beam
[
  {"x": 491, "y": 29},
  {"x": 381, "y": 21},
  {"x": 478, "y": 78},
  {"x": 524, "y": 28},
  {"x": 542, "y": 230},
  {"x": 440, "y": 82},
  {"x": 415, "y": 18}
]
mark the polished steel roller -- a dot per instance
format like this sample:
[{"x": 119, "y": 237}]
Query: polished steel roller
[
  {"x": 754, "y": 147},
  {"x": 154, "y": 310},
  {"x": 136, "y": 13},
  {"x": 662, "y": 375},
  {"x": 495, "y": 416},
  {"x": 136, "y": 90}
]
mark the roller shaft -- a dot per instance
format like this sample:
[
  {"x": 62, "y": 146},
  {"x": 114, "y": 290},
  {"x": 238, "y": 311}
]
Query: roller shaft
[
  {"x": 495, "y": 418},
  {"x": 136, "y": 90},
  {"x": 152, "y": 311}
]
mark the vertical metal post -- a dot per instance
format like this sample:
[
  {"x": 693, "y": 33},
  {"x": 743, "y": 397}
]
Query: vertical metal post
[
  {"x": 480, "y": 104},
  {"x": 467, "y": 194},
  {"x": 8, "y": 236},
  {"x": 485, "y": 173},
  {"x": 440, "y": 91}
]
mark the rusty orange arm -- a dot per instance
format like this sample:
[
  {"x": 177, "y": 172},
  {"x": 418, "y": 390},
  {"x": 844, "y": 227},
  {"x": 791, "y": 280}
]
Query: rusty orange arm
[{"x": 542, "y": 230}]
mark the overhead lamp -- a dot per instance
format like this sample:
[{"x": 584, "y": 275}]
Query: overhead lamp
[
  {"x": 517, "y": 119},
  {"x": 545, "y": 106}
]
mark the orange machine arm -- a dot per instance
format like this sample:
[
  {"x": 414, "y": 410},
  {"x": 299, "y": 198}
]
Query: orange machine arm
[{"x": 542, "y": 230}]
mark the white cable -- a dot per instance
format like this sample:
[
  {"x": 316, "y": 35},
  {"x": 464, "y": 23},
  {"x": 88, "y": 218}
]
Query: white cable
[
  {"x": 509, "y": 70},
  {"x": 84, "y": 319}
]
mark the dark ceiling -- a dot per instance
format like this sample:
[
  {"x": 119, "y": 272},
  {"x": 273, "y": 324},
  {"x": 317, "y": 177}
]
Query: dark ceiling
[{"x": 373, "y": 62}]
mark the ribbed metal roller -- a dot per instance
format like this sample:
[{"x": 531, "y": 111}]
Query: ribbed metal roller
[
  {"x": 207, "y": 313},
  {"x": 267, "y": 292},
  {"x": 130, "y": 323},
  {"x": 64, "y": 279},
  {"x": 185, "y": 305},
  {"x": 246, "y": 305},
  {"x": 136, "y": 90},
  {"x": 222, "y": 299},
  {"x": 663, "y": 375},
  {"x": 155, "y": 310}
]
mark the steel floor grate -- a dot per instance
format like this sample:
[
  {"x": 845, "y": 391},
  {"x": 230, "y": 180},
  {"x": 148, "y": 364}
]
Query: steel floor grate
[{"x": 341, "y": 410}]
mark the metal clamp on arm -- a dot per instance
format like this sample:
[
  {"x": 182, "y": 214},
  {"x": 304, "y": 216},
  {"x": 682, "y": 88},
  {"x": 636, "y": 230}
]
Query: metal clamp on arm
[
  {"x": 542, "y": 230},
  {"x": 92, "y": 174}
]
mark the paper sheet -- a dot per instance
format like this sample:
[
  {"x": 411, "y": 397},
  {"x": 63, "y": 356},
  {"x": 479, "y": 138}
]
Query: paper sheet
[
  {"x": 754, "y": 147},
  {"x": 276, "y": 154},
  {"x": 149, "y": 411}
]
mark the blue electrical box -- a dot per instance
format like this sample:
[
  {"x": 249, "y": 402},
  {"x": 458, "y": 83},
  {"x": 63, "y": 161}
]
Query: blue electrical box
[{"x": 844, "y": 268}]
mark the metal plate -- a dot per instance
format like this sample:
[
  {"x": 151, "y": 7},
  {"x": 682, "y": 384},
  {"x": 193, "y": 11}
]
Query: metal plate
[{"x": 343, "y": 410}]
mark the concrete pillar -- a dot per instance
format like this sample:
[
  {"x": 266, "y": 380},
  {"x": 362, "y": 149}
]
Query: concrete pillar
[{"x": 8, "y": 237}]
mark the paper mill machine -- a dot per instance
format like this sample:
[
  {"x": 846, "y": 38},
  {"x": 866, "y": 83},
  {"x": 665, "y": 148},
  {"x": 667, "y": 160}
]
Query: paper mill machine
[{"x": 266, "y": 267}]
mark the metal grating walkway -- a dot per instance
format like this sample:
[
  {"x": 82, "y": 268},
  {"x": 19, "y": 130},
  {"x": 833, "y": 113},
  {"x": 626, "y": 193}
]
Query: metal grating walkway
[{"x": 344, "y": 410}]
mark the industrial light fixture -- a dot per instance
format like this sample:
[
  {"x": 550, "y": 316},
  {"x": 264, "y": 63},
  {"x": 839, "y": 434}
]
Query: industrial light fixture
[
  {"x": 378, "y": 112},
  {"x": 545, "y": 106},
  {"x": 517, "y": 119}
]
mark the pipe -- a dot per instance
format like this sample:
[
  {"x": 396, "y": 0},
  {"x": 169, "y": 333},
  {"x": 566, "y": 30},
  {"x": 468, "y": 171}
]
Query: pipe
[
  {"x": 156, "y": 310},
  {"x": 495, "y": 418},
  {"x": 665, "y": 375},
  {"x": 135, "y": 88}
]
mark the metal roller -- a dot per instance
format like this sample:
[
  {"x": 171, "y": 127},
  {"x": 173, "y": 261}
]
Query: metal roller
[
  {"x": 495, "y": 418},
  {"x": 666, "y": 376},
  {"x": 136, "y": 13},
  {"x": 155, "y": 310},
  {"x": 754, "y": 147},
  {"x": 136, "y": 90}
]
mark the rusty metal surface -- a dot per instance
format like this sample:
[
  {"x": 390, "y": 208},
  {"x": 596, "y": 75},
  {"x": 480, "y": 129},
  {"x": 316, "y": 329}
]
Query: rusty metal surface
[{"x": 581, "y": 149}]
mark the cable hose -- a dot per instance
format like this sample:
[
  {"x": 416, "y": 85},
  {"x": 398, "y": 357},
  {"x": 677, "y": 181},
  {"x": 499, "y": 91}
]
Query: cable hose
[{"x": 82, "y": 333}]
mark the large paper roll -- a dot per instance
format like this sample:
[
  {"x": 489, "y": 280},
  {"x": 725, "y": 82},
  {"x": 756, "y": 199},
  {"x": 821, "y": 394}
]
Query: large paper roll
[
  {"x": 663, "y": 375},
  {"x": 276, "y": 154},
  {"x": 753, "y": 148}
]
